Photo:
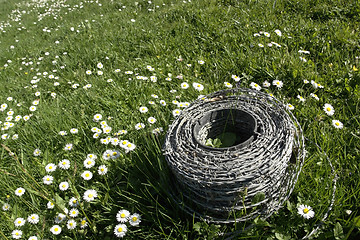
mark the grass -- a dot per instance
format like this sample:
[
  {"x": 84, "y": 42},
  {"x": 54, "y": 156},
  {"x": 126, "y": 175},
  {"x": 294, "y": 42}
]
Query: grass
[{"x": 167, "y": 38}]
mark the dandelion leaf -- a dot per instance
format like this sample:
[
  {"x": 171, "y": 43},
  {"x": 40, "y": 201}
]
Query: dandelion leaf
[
  {"x": 228, "y": 139},
  {"x": 258, "y": 197},
  {"x": 338, "y": 231},
  {"x": 59, "y": 201}
]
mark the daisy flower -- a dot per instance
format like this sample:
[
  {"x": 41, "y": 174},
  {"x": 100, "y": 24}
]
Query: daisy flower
[
  {"x": 68, "y": 147},
  {"x": 139, "y": 126},
  {"x": 63, "y": 186},
  {"x": 33, "y": 218},
  {"x": 114, "y": 141},
  {"x": 97, "y": 117},
  {"x": 73, "y": 212},
  {"x": 143, "y": 109},
  {"x": 156, "y": 131},
  {"x": 74, "y": 130},
  {"x": 337, "y": 124},
  {"x": 102, "y": 170},
  {"x": 88, "y": 72},
  {"x": 50, "y": 205},
  {"x": 107, "y": 130},
  {"x": 235, "y": 78},
  {"x": 122, "y": 216},
  {"x": 115, "y": 154},
  {"x": 96, "y": 135},
  {"x": 107, "y": 154},
  {"x": 198, "y": 86},
  {"x": 278, "y": 32},
  {"x": 33, "y": 238},
  {"x": 89, "y": 163},
  {"x": 19, "y": 222},
  {"x": 60, "y": 218},
  {"x": 314, "y": 96},
  {"x": 48, "y": 179},
  {"x": 90, "y": 195},
  {"x": 96, "y": 130},
  {"x": 16, "y": 234},
  {"x": 201, "y": 62},
  {"x": 100, "y": 65},
  {"x": 129, "y": 147},
  {"x": 306, "y": 81},
  {"x": 83, "y": 223},
  {"x": 228, "y": 85},
  {"x": 32, "y": 109},
  {"x": 134, "y": 219},
  {"x": 266, "y": 84},
  {"x": 6, "y": 207},
  {"x": 37, "y": 152},
  {"x": 303, "y": 59},
  {"x": 73, "y": 202},
  {"x": 255, "y": 86},
  {"x": 261, "y": 45},
  {"x": 278, "y": 83},
  {"x": 64, "y": 164},
  {"x": 71, "y": 224},
  {"x": 62, "y": 133},
  {"x": 153, "y": 79},
  {"x": 301, "y": 98},
  {"x": 290, "y": 107},
  {"x": 184, "y": 85},
  {"x": 329, "y": 110},
  {"x": 19, "y": 191},
  {"x": 151, "y": 120},
  {"x": 306, "y": 211},
  {"x": 50, "y": 167},
  {"x": 176, "y": 112},
  {"x": 56, "y": 229},
  {"x": 86, "y": 175},
  {"x": 120, "y": 230}
]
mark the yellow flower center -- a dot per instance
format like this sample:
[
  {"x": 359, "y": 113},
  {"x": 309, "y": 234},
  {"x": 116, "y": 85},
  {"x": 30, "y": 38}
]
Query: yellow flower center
[
  {"x": 50, "y": 167},
  {"x": 33, "y": 217},
  {"x": 120, "y": 229},
  {"x": 87, "y": 175},
  {"x": 64, "y": 186},
  {"x": 328, "y": 109},
  {"x": 56, "y": 229},
  {"x": 20, "y": 191},
  {"x": 134, "y": 219},
  {"x": 71, "y": 224},
  {"x": 83, "y": 222},
  {"x": 74, "y": 201},
  {"x": 122, "y": 215},
  {"x": 337, "y": 123},
  {"x": 89, "y": 162},
  {"x": 64, "y": 163},
  {"x": 306, "y": 210},
  {"x": 90, "y": 195},
  {"x": 17, "y": 234},
  {"x": 102, "y": 169},
  {"x": 19, "y": 221}
]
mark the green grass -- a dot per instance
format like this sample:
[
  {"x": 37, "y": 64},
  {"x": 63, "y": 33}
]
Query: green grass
[{"x": 221, "y": 33}]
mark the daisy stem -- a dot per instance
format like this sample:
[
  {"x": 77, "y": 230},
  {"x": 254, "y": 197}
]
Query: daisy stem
[{"x": 3, "y": 235}]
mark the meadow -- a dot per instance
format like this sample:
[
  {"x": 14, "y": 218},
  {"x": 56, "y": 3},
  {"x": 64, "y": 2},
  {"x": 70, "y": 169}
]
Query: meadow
[{"x": 88, "y": 90}]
